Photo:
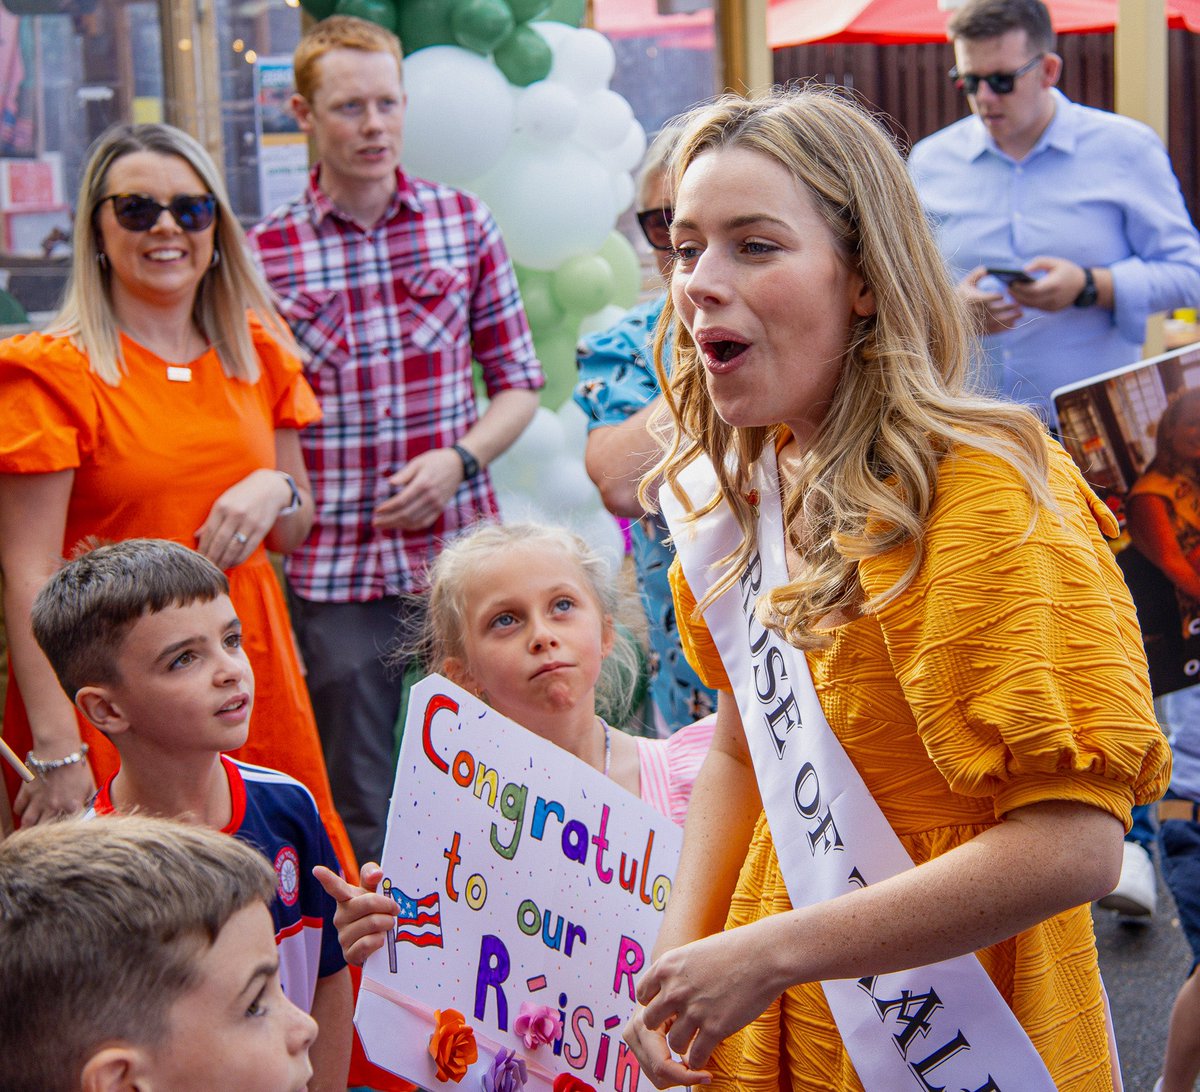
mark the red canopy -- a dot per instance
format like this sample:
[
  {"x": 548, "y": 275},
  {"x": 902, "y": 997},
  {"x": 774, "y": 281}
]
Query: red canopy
[{"x": 801, "y": 22}]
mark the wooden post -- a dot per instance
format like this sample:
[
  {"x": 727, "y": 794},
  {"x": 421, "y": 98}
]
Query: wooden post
[
  {"x": 1140, "y": 78},
  {"x": 744, "y": 59},
  {"x": 192, "y": 71}
]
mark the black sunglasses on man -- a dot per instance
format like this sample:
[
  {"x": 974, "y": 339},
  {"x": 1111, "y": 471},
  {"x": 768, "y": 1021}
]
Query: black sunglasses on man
[{"x": 1001, "y": 83}]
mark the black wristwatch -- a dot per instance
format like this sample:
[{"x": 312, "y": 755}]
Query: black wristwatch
[
  {"x": 1088, "y": 294},
  {"x": 471, "y": 465}
]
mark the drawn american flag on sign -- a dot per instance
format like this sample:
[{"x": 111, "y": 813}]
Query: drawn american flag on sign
[{"x": 420, "y": 919}]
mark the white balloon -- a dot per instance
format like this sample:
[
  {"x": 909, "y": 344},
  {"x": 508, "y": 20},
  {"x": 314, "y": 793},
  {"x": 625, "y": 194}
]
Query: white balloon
[
  {"x": 575, "y": 424},
  {"x": 553, "y": 31},
  {"x": 567, "y": 488},
  {"x": 547, "y": 113},
  {"x": 607, "y": 316},
  {"x": 601, "y": 531},
  {"x": 623, "y": 191},
  {"x": 542, "y": 439},
  {"x": 551, "y": 204},
  {"x": 542, "y": 478},
  {"x": 585, "y": 59},
  {"x": 459, "y": 118},
  {"x": 604, "y": 119},
  {"x": 628, "y": 154},
  {"x": 522, "y": 468},
  {"x": 517, "y": 506}
]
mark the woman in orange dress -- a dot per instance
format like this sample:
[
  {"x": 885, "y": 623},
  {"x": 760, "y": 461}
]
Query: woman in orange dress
[
  {"x": 165, "y": 402},
  {"x": 935, "y": 713}
]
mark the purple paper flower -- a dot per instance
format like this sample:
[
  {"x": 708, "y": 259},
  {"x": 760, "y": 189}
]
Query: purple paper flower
[
  {"x": 506, "y": 1073},
  {"x": 537, "y": 1024}
]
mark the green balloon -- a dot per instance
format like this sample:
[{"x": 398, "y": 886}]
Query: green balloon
[
  {"x": 319, "y": 9},
  {"x": 541, "y": 308},
  {"x": 583, "y": 285},
  {"x": 570, "y": 12},
  {"x": 626, "y": 269},
  {"x": 524, "y": 10},
  {"x": 481, "y": 24},
  {"x": 423, "y": 23},
  {"x": 556, "y": 351},
  {"x": 376, "y": 11},
  {"x": 524, "y": 57}
]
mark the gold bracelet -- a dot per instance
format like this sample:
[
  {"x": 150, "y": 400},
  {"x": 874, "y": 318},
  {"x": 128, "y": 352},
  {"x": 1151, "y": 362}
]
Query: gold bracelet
[{"x": 42, "y": 768}]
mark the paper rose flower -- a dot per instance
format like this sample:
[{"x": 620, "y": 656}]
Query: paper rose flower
[
  {"x": 506, "y": 1074},
  {"x": 452, "y": 1045},
  {"x": 568, "y": 1082},
  {"x": 537, "y": 1024}
]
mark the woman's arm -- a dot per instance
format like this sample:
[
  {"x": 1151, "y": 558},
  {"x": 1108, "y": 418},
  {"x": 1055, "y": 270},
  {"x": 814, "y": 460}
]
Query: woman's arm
[
  {"x": 249, "y": 510},
  {"x": 33, "y": 517},
  {"x": 1149, "y": 521},
  {"x": 289, "y": 531},
  {"x": 617, "y": 456},
  {"x": 1020, "y": 872}
]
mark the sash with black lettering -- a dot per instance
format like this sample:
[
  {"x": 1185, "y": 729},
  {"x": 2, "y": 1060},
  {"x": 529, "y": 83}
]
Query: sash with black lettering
[{"x": 943, "y": 1026}]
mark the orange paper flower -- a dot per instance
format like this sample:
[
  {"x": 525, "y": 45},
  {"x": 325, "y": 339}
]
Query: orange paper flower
[{"x": 452, "y": 1045}]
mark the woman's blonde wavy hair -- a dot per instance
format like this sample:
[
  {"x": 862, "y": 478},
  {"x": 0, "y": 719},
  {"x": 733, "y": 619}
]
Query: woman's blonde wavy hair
[
  {"x": 904, "y": 398},
  {"x": 227, "y": 292}
]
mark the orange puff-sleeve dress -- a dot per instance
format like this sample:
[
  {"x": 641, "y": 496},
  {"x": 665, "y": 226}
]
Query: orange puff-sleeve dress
[
  {"x": 150, "y": 458},
  {"x": 1009, "y": 671}
]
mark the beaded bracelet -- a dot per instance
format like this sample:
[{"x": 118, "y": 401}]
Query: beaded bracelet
[{"x": 42, "y": 768}]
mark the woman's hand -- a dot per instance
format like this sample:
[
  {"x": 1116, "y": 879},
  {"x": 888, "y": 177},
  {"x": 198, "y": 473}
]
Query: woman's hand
[
  {"x": 52, "y": 795},
  {"x": 649, "y": 1046},
  {"x": 241, "y": 517},
  {"x": 363, "y": 918},
  {"x": 697, "y": 995},
  {"x": 33, "y": 518}
]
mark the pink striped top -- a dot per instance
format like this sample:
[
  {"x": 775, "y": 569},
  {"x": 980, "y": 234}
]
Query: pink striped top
[{"x": 669, "y": 767}]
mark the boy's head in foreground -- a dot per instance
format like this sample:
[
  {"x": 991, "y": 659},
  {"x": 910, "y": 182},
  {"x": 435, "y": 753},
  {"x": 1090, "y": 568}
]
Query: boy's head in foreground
[
  {"x": 138, "y": 954},
  {"x": 144, "y": 639}
]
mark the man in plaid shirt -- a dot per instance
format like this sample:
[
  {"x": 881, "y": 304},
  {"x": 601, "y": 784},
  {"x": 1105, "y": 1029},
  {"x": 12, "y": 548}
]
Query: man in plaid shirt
[{"x": 391, "y": 285}]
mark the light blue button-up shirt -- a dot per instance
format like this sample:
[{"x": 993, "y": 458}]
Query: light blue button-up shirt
[{"x": 1098, "y": 189}]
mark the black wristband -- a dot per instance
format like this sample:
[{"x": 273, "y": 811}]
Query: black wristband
[
  {"x": 1088, "y": 294},
  {"x": 470, "y": 464}
]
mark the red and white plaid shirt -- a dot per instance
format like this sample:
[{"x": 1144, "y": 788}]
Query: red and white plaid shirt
[{"x": 390, "y": 317}]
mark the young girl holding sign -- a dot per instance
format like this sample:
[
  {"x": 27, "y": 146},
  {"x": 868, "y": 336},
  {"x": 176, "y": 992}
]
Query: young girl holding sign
[
  {"x": 522, "y": 616},
  {"x": 926, "y": 652}
]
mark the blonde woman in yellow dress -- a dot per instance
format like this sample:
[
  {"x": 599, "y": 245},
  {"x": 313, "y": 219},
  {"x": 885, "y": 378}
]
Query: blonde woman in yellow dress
[{"x": 935, "y": 714}]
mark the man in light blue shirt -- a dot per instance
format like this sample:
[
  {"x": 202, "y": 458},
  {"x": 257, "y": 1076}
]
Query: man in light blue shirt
[{"x": 1083, "y": 202}]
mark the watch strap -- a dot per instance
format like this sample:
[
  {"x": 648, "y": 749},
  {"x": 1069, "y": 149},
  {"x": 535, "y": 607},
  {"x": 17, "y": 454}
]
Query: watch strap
[
  {"x": 470, "y": 464},
  {"x": 1088, "y": 294}
]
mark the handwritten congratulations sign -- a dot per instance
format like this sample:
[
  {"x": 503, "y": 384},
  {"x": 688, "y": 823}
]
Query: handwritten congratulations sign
[{"x": 521, "y": 875}]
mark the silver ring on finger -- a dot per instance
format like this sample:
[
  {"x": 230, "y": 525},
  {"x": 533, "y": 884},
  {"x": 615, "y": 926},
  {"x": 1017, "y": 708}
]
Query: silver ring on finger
[{"x": 240, "y": 538}]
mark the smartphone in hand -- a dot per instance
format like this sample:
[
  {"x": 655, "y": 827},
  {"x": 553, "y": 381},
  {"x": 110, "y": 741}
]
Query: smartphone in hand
[{"x": 1010, "y": 276}]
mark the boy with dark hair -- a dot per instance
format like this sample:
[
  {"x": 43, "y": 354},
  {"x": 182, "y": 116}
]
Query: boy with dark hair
[
  {"x": 137, "y": 953},
  {"x": 144, "y": 639}
]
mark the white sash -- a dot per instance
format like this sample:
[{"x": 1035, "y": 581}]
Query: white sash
[{"x": 943, "y": 1026}]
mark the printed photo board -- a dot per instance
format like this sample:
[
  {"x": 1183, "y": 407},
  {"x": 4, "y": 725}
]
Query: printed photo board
[{"x": 1135, "y": 434}]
